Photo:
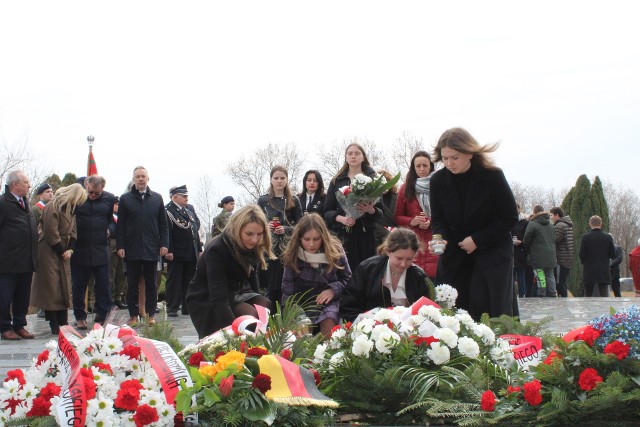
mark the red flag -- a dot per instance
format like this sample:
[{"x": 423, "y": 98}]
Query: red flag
[{"x": 92, "y": 169}]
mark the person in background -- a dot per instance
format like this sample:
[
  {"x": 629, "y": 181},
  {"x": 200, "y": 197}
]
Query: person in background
[
  {"x": 142, "y": 239},
  {"x": 388, "y": 279},
  {"x": 312, "y": 196},
  {"x": 540, "y": 243},
  {"x": 315, "y": 265},
  {"x": 18, "y": 256},
  {"x": 220, "y": 222},
  {"x": 564, "y": 248},
  {"x": 388, "y": 206},
  {"x": 51, "y": 288},
  {"x": 413, "y": 210},
  {"x": 184, "y": 249},
  {"x": 596, "y": 251},
  {"x": 117, "y": 279},
  {"x": 614, "y": 269},
  {"x": 95, "y": 224},
  {"x": 357, "y": 235},
  {"x": 225, "y": 285},
  {"x": 283, "y": 211},
  {"x": 520, "y": 253},
  {"x": 474, "y": 210},
  {"x": 634, "y": 267},
  {"x": 44, "y": 193}
]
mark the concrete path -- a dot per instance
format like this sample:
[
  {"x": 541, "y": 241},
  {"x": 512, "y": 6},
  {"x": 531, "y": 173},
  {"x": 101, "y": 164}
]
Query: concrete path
[{"x": 568, "y": 313}]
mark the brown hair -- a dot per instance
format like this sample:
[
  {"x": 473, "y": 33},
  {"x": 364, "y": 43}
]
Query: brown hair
[
  {"x": 288, "y": 197},
  {"x": 331, "y": 246},
  {"x": 460, "y": 140},
  {"x": 400, "y": 238},
  {"x": 412, "y": 176},
  {"x": 345, "y": 165}
]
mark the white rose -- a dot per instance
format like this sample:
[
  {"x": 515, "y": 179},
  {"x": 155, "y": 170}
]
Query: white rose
[
  {"x": 439, "y": 353},
  {"x": 362, "y": 346},
  {"x": 468, "y": 347}
]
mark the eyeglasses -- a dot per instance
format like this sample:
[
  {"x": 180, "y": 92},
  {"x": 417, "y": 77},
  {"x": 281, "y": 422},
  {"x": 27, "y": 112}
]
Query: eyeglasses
[{"x": 95, "y": 193}]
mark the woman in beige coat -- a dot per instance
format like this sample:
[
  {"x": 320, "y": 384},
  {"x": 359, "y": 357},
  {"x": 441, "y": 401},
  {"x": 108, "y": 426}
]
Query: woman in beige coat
[{"x": 51, "y": 287}]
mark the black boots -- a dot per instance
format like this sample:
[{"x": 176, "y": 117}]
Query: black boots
[{"x": 119, "y": 302}]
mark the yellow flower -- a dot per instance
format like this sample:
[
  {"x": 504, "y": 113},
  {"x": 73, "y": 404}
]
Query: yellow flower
[
  {"x": 223, "y": 363},
  {"x": 208, "y": 370}
]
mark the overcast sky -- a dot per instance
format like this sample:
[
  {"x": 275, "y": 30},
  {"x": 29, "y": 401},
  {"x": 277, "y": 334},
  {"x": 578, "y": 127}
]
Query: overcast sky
[{"x": 164, "y": 84}]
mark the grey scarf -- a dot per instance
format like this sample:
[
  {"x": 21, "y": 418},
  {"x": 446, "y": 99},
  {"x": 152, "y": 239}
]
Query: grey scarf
[{"x": 422, "y": 193}]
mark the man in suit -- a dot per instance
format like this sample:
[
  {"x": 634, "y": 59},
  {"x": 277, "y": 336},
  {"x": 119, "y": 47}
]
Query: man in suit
[
  {"x": 142, "y": 238},
  {"x": 614, "y": 269},
  {"x": 18, "y": 256},
  {"x": 596, "y": 249},
  {"x": 184, "y": 248},
  {"x": 95, "y": 224}
]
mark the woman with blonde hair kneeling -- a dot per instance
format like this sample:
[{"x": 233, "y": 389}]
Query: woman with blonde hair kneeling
[{"x": 225, "y": 285}]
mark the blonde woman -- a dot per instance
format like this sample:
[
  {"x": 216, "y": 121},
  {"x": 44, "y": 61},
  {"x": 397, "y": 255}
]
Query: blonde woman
[
  {"x": 225, "y": 285},
  {"x": 51, "y": 287}
]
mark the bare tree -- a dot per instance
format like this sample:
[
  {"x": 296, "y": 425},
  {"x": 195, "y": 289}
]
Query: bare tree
[
  {"x": 403, "y": 150},
  {"x": 624, "y": 219},
  {"x": 527, "y": 196},
  {"x": 19, "y": 156},
  {"x": 252, "y": 172},
  {"x": 205, "y": 203}
]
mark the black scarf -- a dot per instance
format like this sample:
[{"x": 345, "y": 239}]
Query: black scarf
[{"x": 247, "y": 258}]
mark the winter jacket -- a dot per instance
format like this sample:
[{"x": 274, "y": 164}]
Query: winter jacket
[
  {"x": 18, "y": 236},
  {"x": 614, "y": 263},
  {"x": 94, "y": 218},
  {"x": 540, "y": 241},
  {"x": 519, "y": 252},
  {"x": 564, "y": 241},
  {"x": 142, "y": 225},
  {"x": 596, "y": 249}
]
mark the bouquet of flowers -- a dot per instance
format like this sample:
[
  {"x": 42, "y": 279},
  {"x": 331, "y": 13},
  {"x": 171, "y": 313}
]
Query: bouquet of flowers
[
  {"x": 363, "y": 189},
  {"x": 103, "y": 379}
]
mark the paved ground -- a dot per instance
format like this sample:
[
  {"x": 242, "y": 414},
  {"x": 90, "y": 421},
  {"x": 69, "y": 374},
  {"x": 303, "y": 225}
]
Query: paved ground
[{"x": 568, "y": 313}]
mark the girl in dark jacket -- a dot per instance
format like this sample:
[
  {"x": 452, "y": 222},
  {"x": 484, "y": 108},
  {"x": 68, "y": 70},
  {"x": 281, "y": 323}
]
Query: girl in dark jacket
[
  {"x": 225, "y": 284},
  {"x": 389, "y": 279},
  {"x": 313, "y": 196}
]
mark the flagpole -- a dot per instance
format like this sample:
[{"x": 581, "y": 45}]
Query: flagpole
[{"x": 90, "y": 140}]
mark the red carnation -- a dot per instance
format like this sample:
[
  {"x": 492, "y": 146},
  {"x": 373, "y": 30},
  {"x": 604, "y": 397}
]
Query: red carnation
[
  {"x": 286, "y": 354},
  {"x": 41, "y": 408},
  {"x": 50, "y": 390},
  {"x": 196, "y": 358},
  {"x": 617, "y": 348},
  {"x": 589, "y": 379},
  {"x": 89, "y": 387},
  {"x": 42, "y": 357},
  {"x": 488, "y": 401},
  {"x": 316, "y": 376},
  {"x": 511, "y": 390},
  {"x": 243, "y": 347},
  {"x": 131, "y": 383},
  {"x": 257, "y": 352},
  {"x": 532, "y": 392},
  {"x": 262, "y": 382},
  {"x": 551, "y": 357},
  {"x": 132, "y": 351},
  {"x": 103, "y": 367},
  {"x": 226, "y": 385},
  {"x": 16, "y": 374},
  {"x": 589, "y": 335},
  {"x": 145, "y": 415},
  {"x": 128, "y": 395}
]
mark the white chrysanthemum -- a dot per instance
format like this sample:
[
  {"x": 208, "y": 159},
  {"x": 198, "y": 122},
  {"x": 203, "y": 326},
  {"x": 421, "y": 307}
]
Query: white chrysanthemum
[
  {"x": 166, "y": 413},
  {"x": 439, "y": 353},
  {"x": 113, "y": 344},
  {"x": 379, "y": 330},
  {"x": 336, "y": 360},
  {"x": 362, "y": 346},
  {"x": 11, "y": 386},
  {"x": 483, "y": 331},
  {"x": 386, "y": 341},
  {"x": 446, "y": 296},
  {"x": 430, "y": 312},
  {"x": 365, "y": 326},
  {"x": 101, "y": 419},
  {"x": 100, "y": 406},
  {"x": 361, "y": 180},
  {"x": 465, "y": 319},
  {"x": 447, "y": 336},
  {"x": 468, "y": 347},
  {"x": 318, "y": 355},
  {"x": 28, "y": 392},
  {"x": 415, "y": 320},
  {"x": 383, "y": 315},
  {"x": 450, "y": 322},
  {"x": 151, "y": 398},
  {"x": 109, "y": 389}
]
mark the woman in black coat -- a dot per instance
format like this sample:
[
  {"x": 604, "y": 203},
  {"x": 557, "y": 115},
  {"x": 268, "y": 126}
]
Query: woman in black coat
[
  {"x": 474, "y": 210},
  {"x": 389, "y": 279},
  {"x": 313, "y": 196},
  {"x": 225, "y": 284}
]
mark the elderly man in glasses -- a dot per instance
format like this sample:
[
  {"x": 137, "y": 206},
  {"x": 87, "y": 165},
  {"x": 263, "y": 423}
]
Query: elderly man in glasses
[{"x": 95, "y": 224}]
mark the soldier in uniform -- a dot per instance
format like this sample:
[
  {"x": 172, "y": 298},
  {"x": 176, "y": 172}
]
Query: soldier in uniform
[
  {"x": 44, "y": 193},
  {"x": 184, "y": 248}
]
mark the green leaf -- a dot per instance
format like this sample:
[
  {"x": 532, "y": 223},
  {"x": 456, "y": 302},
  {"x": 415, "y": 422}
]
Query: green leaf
[
  {"x": 183, "y": 401},
  {"x": 263, "y": 411},
  {"x": 210, "y": 397}
]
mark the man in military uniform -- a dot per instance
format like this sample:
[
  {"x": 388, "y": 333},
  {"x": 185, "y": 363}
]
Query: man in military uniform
[
  {"x": 184, "y": 248},
  {"x": 44, "y": 192}
]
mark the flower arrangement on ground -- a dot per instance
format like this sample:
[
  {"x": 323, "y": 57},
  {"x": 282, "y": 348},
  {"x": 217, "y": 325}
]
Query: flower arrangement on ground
[
  {"x": 104, "y": 379},
  {"x": 395, "y": 357},
  {"x": 363, "y": 189}
]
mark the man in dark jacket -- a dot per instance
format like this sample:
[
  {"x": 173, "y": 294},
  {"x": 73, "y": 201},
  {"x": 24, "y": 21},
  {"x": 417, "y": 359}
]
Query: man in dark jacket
[
  {"x": 540, "y": 243},
  {"x": 18, "y": 256},
  {"x": 520, "y": 270},
  {"x": 614, "y": 269},
  {"x": 564, "y": 247},
  {"x": 596, "y": 249},
  {"x": 184, "y": 249},
  {"x": 95, "y": 224},
  {"x": 142, "y": 237}
]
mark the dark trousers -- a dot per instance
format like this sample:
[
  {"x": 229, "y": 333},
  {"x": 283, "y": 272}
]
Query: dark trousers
[
  {"x": 15, "y": 290},
  {"x": 615, "y": 284},
  {"x": 531, "y": 288},
  {"x": 179, "y": 274},
  {"x": 80, "y": 275},
  {"x": 603, "y": 289},
  {"x": 149, "y": 270},
  {"x": 562, "y": 279},
  {"x": 518, "y": 275}
]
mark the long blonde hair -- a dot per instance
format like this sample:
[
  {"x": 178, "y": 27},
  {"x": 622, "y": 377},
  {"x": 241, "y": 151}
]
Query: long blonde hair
[
  {"x": 68, "y": 198},
  {"x": 331, "y": 246},
  {"x": 247, "y": 215}
]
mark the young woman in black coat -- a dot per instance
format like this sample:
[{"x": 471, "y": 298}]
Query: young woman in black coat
[
  {"x": 389, "y": 279},
  {"x": 313, "y": 196},
  {"x": 474, "y": 210},
  {"x": 225, "y": 285}
]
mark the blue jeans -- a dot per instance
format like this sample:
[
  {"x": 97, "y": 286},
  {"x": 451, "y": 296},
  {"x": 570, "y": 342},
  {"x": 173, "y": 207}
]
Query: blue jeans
[
  {"x": 15, "y": 290},
  {"x": 80, "y": 275},
  {"x": 546, "y": 282}
]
